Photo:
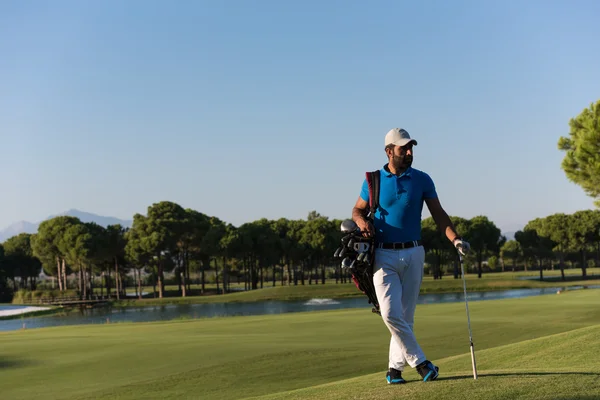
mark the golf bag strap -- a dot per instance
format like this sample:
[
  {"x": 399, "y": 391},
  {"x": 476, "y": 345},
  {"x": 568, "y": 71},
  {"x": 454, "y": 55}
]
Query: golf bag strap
[{"x": 373, "y": 182}]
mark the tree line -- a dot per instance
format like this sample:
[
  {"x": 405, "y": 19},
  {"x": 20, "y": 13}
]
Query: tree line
[
  {"x": 558, "y": 239},
  {"x": 178, "y": 241}
]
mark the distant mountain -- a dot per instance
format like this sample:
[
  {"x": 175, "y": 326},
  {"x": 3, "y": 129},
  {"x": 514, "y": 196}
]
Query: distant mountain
[
  {"x": 510, "y": 230},
  {"x": 16, "y": 228},
  {"x": 28, "y": 227},
  {"x": 509, "y": 235},
  {"x": 89, "y": 217}
]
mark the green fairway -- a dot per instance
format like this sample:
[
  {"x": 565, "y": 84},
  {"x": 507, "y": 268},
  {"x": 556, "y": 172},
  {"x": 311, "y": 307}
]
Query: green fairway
[
  {"x": 344, "y": 351},
  {"x": 488, "y": 282},
  {"x": 552, "y": 367}
]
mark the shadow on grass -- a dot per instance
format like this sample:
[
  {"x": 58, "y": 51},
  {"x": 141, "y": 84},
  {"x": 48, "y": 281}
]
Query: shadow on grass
[
  {"x": 7, "y": 363},
  {"x": 514, "y": 374}
]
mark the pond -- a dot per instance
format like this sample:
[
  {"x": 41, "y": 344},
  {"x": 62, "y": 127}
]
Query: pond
[{"x": 170, "y": 312}]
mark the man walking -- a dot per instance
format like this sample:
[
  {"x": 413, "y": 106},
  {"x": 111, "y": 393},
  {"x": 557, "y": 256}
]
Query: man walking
[{"x": 399, "y": 254}]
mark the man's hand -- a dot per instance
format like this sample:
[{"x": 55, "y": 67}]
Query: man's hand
[
  {"x": 365, "y": 226},
  {"x": 462, "y": 246},
  {"x": 358, "y": 215}
]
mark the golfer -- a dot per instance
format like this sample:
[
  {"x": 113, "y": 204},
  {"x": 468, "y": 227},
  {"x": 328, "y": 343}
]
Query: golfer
[{"x": 399, "y": 254}]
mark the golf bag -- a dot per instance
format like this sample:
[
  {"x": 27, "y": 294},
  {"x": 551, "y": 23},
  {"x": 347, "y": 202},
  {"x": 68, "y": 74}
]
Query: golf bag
[{"x": 357, "y": 251}]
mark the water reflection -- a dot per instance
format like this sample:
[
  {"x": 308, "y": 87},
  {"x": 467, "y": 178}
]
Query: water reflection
[{"x": 170, "y": 312}]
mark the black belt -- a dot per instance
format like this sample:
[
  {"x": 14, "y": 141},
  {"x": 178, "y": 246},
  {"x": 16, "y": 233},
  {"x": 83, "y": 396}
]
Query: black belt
[{"x": 399, "y": 245}]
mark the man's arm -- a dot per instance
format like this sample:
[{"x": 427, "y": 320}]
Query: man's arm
[
  {"x": 442, "y": 219},
  {"x": 359, "y": 215}
]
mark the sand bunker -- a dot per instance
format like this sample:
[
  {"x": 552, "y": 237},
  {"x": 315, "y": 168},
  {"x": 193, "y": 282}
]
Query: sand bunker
[{"x": 21, "y": 310}]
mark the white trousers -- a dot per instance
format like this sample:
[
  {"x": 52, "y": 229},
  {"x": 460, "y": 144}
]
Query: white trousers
[{"x": 397, "y": 276}]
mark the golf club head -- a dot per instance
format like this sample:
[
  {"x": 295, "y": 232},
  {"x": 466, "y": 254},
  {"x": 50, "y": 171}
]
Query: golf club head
[
  {"x": 348, "y": 226},
  {"x": 337, "y": 252},
  {"x": 346, "y": 263},
  {"x": 361, "y": 257}
]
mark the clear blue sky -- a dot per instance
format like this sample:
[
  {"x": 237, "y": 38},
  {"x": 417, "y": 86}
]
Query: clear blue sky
[{"x": 272, "y": 109}]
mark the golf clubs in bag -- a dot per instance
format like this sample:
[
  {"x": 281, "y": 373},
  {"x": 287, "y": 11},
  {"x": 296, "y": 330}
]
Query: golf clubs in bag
[{"x": 357, "y": 253}]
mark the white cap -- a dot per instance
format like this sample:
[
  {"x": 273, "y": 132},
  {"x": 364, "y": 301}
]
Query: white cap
[{"x": 399, "y": 137}]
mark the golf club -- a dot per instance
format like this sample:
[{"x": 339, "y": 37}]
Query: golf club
[
  {"x": 346, "y": 263},
  {"x": 468, "y": 317},
  {"x": 348, "y": 226}
]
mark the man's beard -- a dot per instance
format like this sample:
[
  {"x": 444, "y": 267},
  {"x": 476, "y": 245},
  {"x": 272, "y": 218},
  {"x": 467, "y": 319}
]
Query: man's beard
[{"x": 402, "y": 162}]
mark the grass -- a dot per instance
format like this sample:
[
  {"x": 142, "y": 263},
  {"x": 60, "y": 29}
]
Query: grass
[
  {"x": 552, "y": 367},
  {"x": 488, "y": 282},
  {"x": 538, "y": 347}
]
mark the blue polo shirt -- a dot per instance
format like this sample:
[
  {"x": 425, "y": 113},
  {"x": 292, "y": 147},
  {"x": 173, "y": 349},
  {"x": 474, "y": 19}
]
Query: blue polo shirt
[{"x": 398, "y": 218}]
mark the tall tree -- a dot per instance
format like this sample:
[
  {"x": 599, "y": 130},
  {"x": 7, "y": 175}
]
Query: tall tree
[
  {"x": 435, "y": 245},
  {"x": 210, "y": 246},
  {"x": 6, "y": 292},
  {"x": 511, "y": 250},
  {"x": 319, "y": 244},
  {"x": 114, "y": 256},
  {"x": 158, "y": 234},
  {"x": 20, "y": 261},
  {"x": 137, "y": 253},
  {"x": 584, "y": 234},
  {"x": 45, "y": 245},
  {"x": 535, "y": 248},
  {"x": 76, "y": 247},
  {"x": 485, "y": 239},
  {"x": 581, "y": 163},
  {"x": 556, "y": 227}
]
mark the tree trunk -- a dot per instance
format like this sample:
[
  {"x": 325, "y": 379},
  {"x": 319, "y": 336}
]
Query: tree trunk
[
  {"x": 217, "y": 275},
  {"x": 202, "y": 279},
  {"x": 187, "y": 272},
  {"x": 91, "y": 282},
  {"x": 85, "y": 282},
  {"x": 182, "y": 285},
  {"x": 245, "y": 270},
  {"x": 226, "y": 276},
  {"x": 295, "y": 269},
  {"x": 117, "y": 280},
  {"x": 108, "y": 280},
  {"x": 160, "y": 279},
  {"x": 80, "y": 287},
  {"x": 179, "y": 280},
  {"x": 64, "y": 275},
  {"x": 561, "y": 265},
  {"x": 583, "y": 264},
  {"x": 59, "y": 274},
  {"x": 541, "y": 271},
  {"x": 139, "y": 284}
]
